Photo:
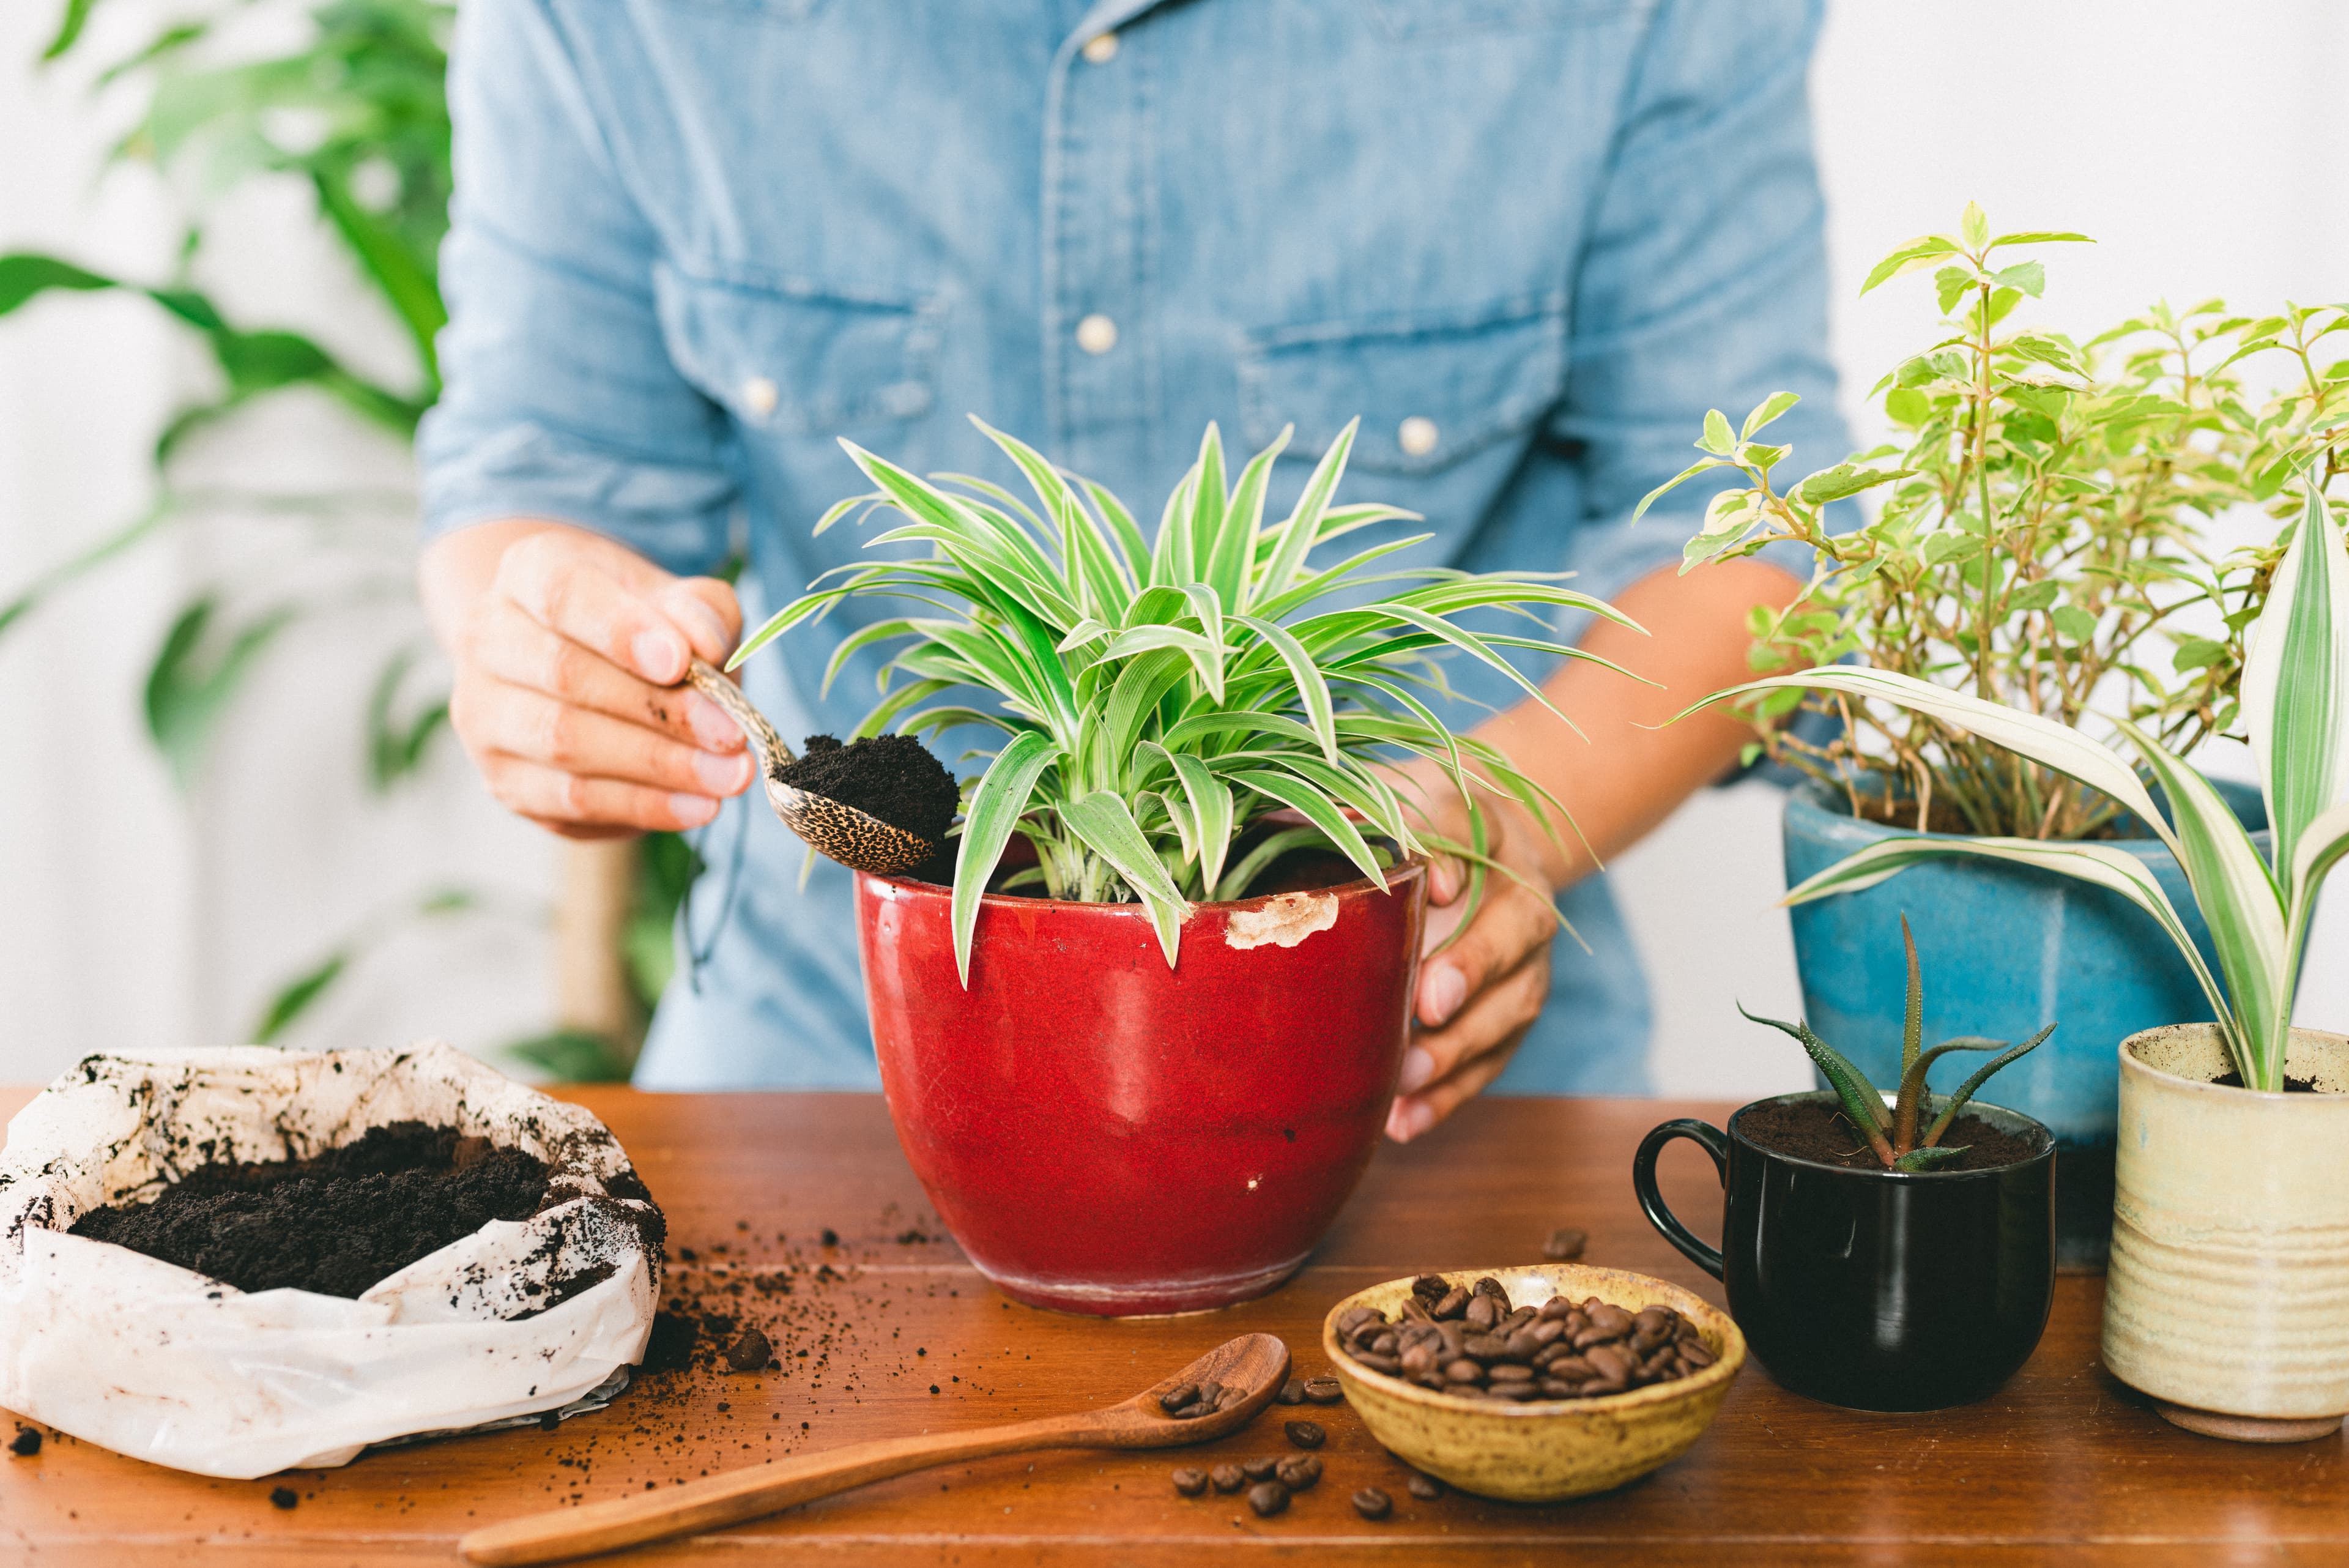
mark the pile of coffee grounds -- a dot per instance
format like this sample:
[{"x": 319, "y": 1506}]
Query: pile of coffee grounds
[
  {"x": 1819, "y": 1131},
  {"x": 334, "y": 1224},
  {"x": 892, "y": 777}
]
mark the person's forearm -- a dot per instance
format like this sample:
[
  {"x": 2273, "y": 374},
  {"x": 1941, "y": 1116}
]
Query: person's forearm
[{"x": 1635, "y": 770}]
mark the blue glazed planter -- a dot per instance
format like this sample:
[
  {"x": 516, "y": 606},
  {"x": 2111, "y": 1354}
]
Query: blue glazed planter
[{"x": 2003, "y": 948}]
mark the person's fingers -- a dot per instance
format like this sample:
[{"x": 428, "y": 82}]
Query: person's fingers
[
  {"x": 561, "y": 588},
  {"x": 507, "y": 645},
  {"x": 1511, "y": 923},
  {"x": 536, "y": 728},
  {"x": 1408, "y": 1117},
  {"x": 710, "y": 613},
  {"x": 565, "y": 800},
  {"x": 1509, "y": 1004}
]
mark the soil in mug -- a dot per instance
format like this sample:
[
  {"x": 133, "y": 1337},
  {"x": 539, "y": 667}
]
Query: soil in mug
[
  {"x": 891, "y": 778},
  {"x": 334, "y": 1224},
  {"x": 1815, "y": 1130},
  {"x": 2292, "y": 1086}
]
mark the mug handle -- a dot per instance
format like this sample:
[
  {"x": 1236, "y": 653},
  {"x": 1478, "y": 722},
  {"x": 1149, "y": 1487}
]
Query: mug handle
[{"x": 1651, "y": 1203}]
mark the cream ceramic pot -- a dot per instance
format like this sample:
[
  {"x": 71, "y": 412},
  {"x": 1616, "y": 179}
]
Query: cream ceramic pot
[{"x": 2227, "y": 1298}]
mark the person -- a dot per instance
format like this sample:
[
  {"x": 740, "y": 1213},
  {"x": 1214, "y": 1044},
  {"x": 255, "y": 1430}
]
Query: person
[{"x": 694, "y": 242}]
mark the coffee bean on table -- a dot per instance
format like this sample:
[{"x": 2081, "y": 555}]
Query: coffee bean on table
[
  {"x": 1268, "y": 1497},
  {"x": 1306, "y": 1434},
  {"x": 1323, "y": 1391},
  {"x": 1373, "y": 1503},
  {"x": 1227, "y": 1478},
  {"x": 749, "y": 1353},
  {"x": 1565, "y": 1245},
  {"x": 1261, "y": 1469},
  {"x": 1298, "y": 1472},
  {"x": 1190, "y": 1480},
  {"x": 1291, "y": 1392},
  {"x": 1424, "y": 1487}
]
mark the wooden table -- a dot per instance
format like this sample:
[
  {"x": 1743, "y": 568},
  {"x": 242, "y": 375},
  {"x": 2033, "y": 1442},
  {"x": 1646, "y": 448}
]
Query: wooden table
[{"x": 2063, "y": 1466}]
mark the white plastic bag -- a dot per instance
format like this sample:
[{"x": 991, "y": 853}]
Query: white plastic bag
[{"x": 163, "y": 1363}]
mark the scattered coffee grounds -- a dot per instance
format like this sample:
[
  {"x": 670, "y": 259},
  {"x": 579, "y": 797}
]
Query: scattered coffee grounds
[
  {"x": 750, "y": 1353},
  {"x": 1268, "y": 1497},
  {"x": 1191, "y": 1481},
  {"x": 26, "y": 1442},
  {"x": 1189, "y": 1401},
  {"x": 334, "y": 1224},
  {"x": 1306, "y": 1434},
  {"x": 1227, "y": 1478},
  {"x": 1373, "y": 1503},
  {"x": 893, "y": 777},
  {"x": 1818, "y": 1130},
  {"x": 284, "y": 1497},
  {"x": 1471, "y": 1342},
  {"x": 1323, "y": 1391},
  {"x": 1291, "y": 1392},
  {"x": 2292, "y": 1086},
  {"x": 1565, "y": 1245},
  {"x": 1298, "y": 1472}
]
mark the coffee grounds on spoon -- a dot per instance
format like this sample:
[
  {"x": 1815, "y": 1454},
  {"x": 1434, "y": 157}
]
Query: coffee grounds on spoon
[{"x": 891, "y": 778}]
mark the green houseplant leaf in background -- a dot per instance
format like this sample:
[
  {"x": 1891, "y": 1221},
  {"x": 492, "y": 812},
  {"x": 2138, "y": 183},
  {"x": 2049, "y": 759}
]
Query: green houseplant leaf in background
[{"x": 1159, "y": 701}]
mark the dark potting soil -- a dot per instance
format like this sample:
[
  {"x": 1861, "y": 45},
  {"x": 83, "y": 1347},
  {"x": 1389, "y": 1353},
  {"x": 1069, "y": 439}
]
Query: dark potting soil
[
  {"x": 892, "y": 777},
  {"x": 1815, "y": 1130},
  {"x": 334, "y": 1224},
  {"x": 2292, "y": 1086}
]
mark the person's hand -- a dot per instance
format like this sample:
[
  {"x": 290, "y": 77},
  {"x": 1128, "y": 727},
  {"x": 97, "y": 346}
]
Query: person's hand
[
  {"x": 568, "y": 648},
  {"x": 1476, "y": 999}
]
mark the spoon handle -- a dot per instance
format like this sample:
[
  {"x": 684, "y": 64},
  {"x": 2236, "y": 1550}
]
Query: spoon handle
[
  {"x": 734, "y": 1496},
  {"x": 772, "y": 754}
]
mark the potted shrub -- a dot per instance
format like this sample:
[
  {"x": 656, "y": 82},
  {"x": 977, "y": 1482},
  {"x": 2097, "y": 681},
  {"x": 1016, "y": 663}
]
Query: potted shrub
[
  {"x": 1140, "y": 1062},
  {"x": 1882, "y": 1251},
  {"x": 2231, "y": 1219},
  {"x": 2036, "y": 545}
]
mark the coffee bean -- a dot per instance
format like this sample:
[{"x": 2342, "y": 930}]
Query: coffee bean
[
  {"x": 1227, "y": 1478},
  {"x": 1174, "y": 1398},
  {"x": 1386, "y": 1363},
  {"x": 1210, "y": 1392},
  {"x": 1481, "y": 1314},
  {"x": 1509, "y": 1372},
  {"x": 1190, "y": 1480},
  {"x": 1298, "y": 1472},
  {"x": 1268, "y": 1497},
  {"x": 1463, "y": 1371},
  {"x": 1455, "y": 1303},
  {"x": 1425, "y": 1488},
  {"x": 1306, "y": 1434},
  {"x": 1553, "y": 1388},
  {"x": 1430, "y": 1287},
  {"x": 1291, "y": 1392},
  {"x": 1484, "y": 1347},
  {"x": 749, "y": 1353},
  {"x": 1354, "y": 1317},
  {"x": 1565, "y": 1245},
  {"x": 1323, "y": 1391},
  {"x": 1261, "y": 1468},
  {"x": 1696, "y": 1353},
  {"x": 1373, "y": 1503},
  {"x": 1231, "y": 1397},
  {"x": 284, "y": 1497}
]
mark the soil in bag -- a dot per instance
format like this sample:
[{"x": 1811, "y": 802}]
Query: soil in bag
[{"x": 334, "y": 1224}]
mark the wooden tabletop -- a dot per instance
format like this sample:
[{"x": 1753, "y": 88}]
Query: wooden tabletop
[{"x": 2062, "y": 1466}]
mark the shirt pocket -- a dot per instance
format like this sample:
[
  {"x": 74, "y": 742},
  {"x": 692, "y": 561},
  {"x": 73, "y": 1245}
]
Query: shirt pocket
[
  {"x": 796, "y": 359},
  {"x": 1430, "y": 387},
  {"x": 1435, "y": 19}
]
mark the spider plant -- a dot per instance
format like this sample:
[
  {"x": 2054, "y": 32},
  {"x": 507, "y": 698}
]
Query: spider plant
[
  {"x": 2295, "y": 710},
  {"x": 1894, "y": 1132},
  {"x": 1159, "y": 700}
]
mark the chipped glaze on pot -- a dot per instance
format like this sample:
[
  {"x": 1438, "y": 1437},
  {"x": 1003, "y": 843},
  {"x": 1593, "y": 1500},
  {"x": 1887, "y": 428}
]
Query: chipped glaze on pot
[
  {"x": 2229, "y": 1290},
  {"x": 1542, "y": 1451},
  {"x": 1105, "y": 1134}
]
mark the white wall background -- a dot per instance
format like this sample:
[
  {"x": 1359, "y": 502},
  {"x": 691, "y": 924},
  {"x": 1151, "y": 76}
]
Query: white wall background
[{"x": 2202, "y": 145}]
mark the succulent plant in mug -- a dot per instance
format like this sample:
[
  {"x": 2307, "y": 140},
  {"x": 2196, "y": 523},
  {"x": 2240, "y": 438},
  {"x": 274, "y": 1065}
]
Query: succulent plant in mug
[
  {"x": 1159, "y": 700},
  {"x": 1901, "y": 1136}
]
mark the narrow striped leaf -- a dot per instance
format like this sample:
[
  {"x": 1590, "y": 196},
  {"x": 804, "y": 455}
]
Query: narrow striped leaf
[
  {"x": 1311, "y": 689},
  {"x": 1208, "y": 606},
  {"x": 1317, "y": 809},
  {"x": 1206, "y": 658},
  {"x": 1170, "y": 555},
  {"x": 2324, "y": 844},
  {"x": 2295, "y": 683},
  {"x": 996, "y": 807},
  {"x": 2043, "y": 741},
  {"x": 1107, "y": 828},
  {"x": 1207, "y": 500},
  {"x": 1123, "y": 528},
  {"x": 1227, "y": 570},
  {"x": 862, "y": 637},
  {"x": 1212, "y": 810},
  {"x": 1302, "y": 530}
]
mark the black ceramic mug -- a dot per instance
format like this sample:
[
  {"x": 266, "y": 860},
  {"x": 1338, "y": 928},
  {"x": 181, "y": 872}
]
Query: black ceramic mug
[{"x": 1874, "y": 1289}]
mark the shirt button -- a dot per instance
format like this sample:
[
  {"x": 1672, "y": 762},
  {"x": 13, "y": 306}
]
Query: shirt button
[
  {"x": 1098, "y": 335},
  {"x": 1417, "y": 435},
  {"x": 759, "y": 396},
  {"x": 1101, "y": 48}
]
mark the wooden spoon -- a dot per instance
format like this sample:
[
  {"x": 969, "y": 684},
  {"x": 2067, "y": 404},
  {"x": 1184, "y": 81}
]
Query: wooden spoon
[
  {"x": 857, "y": 839},
  {"x": 1255, "y": 1363}
]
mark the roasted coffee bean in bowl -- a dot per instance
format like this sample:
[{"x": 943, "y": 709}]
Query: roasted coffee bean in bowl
[{"x": 1534, "y": 1385}]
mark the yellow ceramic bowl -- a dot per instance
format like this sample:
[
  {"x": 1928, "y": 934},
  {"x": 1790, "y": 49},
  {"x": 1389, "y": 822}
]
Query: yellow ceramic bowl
[{"x": 1543, "y": 1451}]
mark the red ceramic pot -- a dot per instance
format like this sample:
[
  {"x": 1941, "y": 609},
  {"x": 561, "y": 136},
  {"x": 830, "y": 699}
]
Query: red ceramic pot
[{"x": 1105, "y": 1134}]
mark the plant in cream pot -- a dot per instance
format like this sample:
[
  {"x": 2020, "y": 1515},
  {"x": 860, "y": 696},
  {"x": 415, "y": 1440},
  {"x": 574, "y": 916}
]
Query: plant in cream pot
[{"x": 1140, "y": 1040}]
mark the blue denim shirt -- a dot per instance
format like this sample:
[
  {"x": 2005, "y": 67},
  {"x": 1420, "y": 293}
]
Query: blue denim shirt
[{"x": 1529, "y": 241}]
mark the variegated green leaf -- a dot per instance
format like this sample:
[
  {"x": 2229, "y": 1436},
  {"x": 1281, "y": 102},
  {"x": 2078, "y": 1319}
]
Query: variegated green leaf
[
  {"x": 995, "y": 807},
  {"x": 2295, "y": 681}
]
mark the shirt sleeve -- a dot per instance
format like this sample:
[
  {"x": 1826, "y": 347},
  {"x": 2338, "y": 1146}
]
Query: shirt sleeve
[
  {"x": 1703, "y": 282},
  {"x": 559, "y": 397}
]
